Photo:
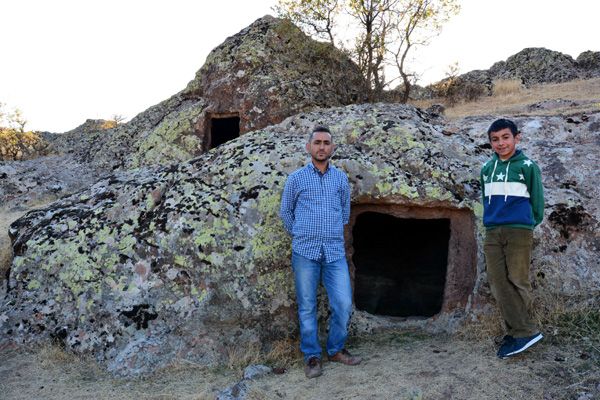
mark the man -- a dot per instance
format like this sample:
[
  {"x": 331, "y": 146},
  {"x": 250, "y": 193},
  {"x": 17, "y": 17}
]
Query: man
[{"x": 315, "y": 206}]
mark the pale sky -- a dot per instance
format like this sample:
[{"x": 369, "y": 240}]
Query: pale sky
[{"x": 64, "y": 61}]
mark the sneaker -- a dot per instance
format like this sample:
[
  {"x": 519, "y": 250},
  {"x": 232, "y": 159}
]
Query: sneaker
[
  {"x": 312, "y": 369},
  {"x": 506, "y": 339},
  {"x": 343, "y": 356},
  {"x": 517, "y": 345},
  {"x": 505, "y": 344}
]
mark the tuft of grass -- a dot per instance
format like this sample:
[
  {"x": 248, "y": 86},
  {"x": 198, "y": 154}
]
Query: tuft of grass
[
  {"x": 570, "y": 318},
  {"x": 505, "y": 87},
  {"x": 282, "y": 353},
  {"x": 239, "y": 357},
  {"x": 487, "y": 327}
]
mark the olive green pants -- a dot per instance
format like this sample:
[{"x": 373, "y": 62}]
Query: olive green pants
[{"x": 508, "y": 255}]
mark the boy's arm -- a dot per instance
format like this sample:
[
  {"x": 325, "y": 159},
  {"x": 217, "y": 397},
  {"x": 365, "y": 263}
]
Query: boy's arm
[
  {"x": 482, "y": 183},
  {"x": 288, "y": 204},
  {"x": 536, "y": 193}
]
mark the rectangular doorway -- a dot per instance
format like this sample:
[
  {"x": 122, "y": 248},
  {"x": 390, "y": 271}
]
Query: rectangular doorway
[{"x": 223, "y": 128}]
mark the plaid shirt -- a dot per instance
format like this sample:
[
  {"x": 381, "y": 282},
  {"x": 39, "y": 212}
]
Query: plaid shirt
[{"x": 314, "y": 209}]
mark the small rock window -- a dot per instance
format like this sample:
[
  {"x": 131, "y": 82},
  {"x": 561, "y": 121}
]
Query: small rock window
[{"x": 223, "y": 128}]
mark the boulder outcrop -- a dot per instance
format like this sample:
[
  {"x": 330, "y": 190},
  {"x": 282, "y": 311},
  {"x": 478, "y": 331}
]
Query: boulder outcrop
[
  {"x": 190, "y": 260},
  {"x": 263, "y": 74},
  {"x": 534, "y": 65}
]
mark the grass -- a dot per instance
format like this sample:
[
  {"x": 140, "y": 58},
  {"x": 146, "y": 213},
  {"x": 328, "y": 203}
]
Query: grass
[
  {"x": 507, "y": 87},
  {"x": 282, "y": 354},
  {"x": 509, "y": 98},
  {"x": 571, "y": 320}
]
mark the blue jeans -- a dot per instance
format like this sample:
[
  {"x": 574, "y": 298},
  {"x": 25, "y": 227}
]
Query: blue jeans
[{"x": 336, "y": 280}]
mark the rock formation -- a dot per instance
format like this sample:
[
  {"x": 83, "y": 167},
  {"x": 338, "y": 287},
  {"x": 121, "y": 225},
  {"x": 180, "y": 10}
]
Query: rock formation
[
  {"x": 263, "y": 74},
  {"x": 190, "y": 260},
  {"x": 531, "y": 66}
]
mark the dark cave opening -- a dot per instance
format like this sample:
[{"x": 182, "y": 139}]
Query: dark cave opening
[
  {"x": 400, "y": 264},
  {"x": 223, "y": 129}
]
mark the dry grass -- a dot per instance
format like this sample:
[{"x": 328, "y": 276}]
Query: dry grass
[
  {"x": 486, "y": 328},
  {"x": 573, "y": 318},
  {"x": 282, "y": 354},
  {"x": 506, "y": 87},
  {"x": 510, "y": 100}
]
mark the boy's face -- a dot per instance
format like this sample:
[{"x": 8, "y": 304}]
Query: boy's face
[{"x": 504, "y": 143}]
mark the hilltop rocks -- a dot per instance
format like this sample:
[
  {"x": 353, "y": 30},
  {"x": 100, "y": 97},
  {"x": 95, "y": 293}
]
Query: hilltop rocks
[
  {"x": 530, "y": 66},
  {"x": 191, "y": 261},
  {"x": 265, "y": 73},
  {"x": 589, "y": 62},
  {"x": 536, "y": 65},
  {"x": 271, "y": 70}
]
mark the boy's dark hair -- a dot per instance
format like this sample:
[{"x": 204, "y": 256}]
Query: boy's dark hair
[
  {"x": 502, "y": 123},
  {"x": 318, "y": 128}
]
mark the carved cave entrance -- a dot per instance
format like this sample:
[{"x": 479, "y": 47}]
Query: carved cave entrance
[
  {"x": 411, "y": 262},
  {"x": 223, "y": 128}
]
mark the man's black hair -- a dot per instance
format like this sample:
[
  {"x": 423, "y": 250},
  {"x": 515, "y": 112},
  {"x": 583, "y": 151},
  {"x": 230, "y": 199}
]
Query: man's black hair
[
  {"x": 502, "y": 123},
  {"x": 318, "y": 128}
]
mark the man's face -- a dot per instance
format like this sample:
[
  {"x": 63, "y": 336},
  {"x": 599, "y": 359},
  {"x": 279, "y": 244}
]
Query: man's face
[
  {"x": 320, "y": 146},
  {"x": 504, "y": 143}
]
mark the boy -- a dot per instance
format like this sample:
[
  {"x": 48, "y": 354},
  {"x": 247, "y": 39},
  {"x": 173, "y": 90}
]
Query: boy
[{"x": 513, "y": 204}]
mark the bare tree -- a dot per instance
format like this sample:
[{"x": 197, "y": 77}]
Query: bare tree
[
  {"x": 316, "y": 17},
  {"x": 17, "y": 120},
  {"x": 2, "y": 113},
  {"x": 118, "y": 118},
  {"x": 387, "y": 32},
  {"x": 375, "y": 18},
  {"x": 416, "y": 22}
]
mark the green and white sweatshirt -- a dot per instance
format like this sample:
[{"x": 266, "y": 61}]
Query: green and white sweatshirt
[{"x": 512, "y": 190}]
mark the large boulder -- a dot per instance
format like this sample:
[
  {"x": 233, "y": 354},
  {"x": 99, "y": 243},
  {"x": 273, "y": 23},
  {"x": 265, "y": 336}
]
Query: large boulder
[
  {"x": 271, "y": 70},
  {"x": 191, "y": 261},
  {"x": 536, "y": 65}
]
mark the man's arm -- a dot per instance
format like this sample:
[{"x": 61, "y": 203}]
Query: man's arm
[
  {"x": 288, "y": 204},
  {"x": 345, "y": 199}
]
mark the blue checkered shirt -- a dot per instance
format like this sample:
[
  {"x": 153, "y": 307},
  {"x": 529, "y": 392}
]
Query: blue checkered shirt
[{"x": 314, "y": 209}]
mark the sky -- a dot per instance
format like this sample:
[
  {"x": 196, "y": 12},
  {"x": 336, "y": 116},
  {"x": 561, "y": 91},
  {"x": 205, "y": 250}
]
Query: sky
[{"x": 64, "y": 61}]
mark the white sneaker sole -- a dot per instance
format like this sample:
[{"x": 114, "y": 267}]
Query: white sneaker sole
[{"x": 527, "y": 345}]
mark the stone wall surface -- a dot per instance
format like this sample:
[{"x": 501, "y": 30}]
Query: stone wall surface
[{"x": 190, "y": 260}]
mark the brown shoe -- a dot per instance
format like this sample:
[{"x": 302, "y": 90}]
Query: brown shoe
[
  {"x": 345, "y": 357},
  {"x": 312, "y": 369}
]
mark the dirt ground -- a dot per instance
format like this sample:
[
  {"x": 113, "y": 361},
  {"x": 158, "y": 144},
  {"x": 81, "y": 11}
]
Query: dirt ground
[{"x": 396, "y": 365}]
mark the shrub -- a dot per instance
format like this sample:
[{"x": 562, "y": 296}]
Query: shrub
[{"x": 16, "y": 145}]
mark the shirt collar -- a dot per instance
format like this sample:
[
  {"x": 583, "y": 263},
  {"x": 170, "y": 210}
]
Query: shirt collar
[{"x": 312, "y": 167}]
